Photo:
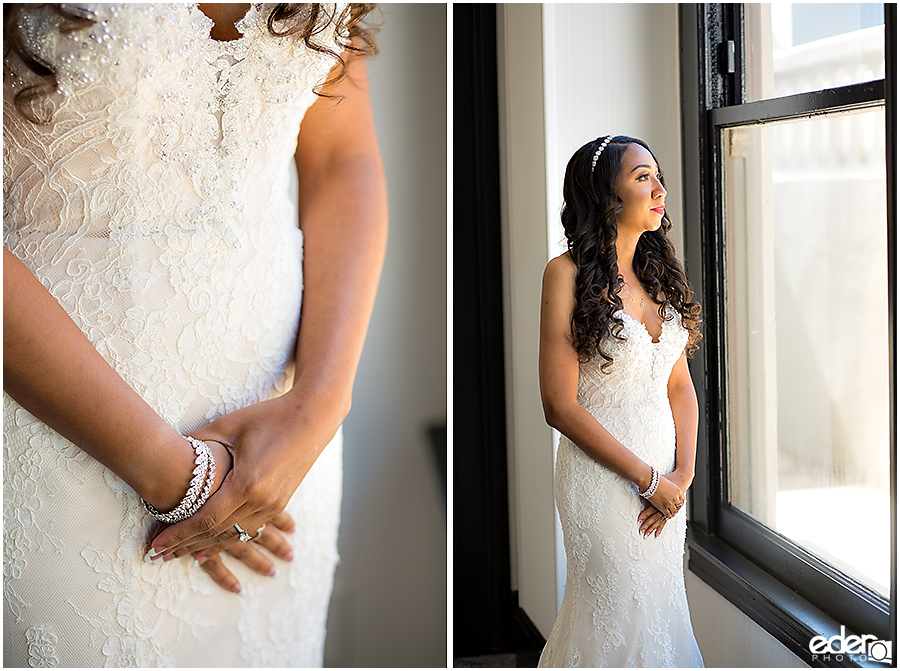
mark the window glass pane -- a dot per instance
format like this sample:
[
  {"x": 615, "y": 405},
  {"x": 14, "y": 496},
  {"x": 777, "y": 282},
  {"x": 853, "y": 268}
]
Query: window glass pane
[
  {"x": 807, "y": 335},
  {"x": 800, "y": 47}
]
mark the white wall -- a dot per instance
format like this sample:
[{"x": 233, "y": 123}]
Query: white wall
[
  {"x": 602, "y": 79},
  {"x": 524, "y": 240},
  {"x": 389, "y": 605},
  {"x": 728, "y": 638},
  {"x": 569, "y": 73}
]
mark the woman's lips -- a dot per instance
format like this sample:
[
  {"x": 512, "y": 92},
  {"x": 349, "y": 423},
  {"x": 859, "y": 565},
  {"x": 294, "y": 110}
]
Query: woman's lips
[{"x": 661, "y": 210}]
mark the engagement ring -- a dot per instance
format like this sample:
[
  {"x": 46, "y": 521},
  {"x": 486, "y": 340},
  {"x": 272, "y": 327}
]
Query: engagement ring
[{"x": 243, "y": 536}]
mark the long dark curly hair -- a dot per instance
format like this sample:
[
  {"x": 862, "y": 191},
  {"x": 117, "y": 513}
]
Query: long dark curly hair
[
  {"x": 589, "y": 219},
  {"x": 305, "y": 20}
]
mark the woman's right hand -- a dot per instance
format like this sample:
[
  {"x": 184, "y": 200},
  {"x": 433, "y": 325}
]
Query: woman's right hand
[{"x": 668, "y": 497}]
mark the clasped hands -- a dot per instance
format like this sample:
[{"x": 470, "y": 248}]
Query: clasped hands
[
  {"x": 665, "y": 503},
  {"x": 271, "y": 456}
]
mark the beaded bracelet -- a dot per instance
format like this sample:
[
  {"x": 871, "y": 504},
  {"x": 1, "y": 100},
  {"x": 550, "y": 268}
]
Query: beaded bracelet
[
  {"x": 654, "y": 483},
  {"x": 198, "y": 491}
]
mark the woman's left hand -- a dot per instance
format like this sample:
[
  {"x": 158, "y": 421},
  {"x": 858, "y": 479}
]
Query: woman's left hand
[
  {"x": 651, "y": 521},
  {"x": 274, "y": 443}
]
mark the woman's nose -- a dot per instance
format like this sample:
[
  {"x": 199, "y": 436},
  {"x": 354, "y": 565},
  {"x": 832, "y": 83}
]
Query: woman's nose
[{"x": 660, "y": 190}]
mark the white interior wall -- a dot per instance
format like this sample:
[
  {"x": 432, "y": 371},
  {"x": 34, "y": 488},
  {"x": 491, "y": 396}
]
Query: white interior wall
[
  {"x": 600, "y": 79},
  {"x": 569, "y": 73},
  {"x": 524, "y": 241},
  {"x": 728, "y": 638},
  {"x": 389, "y": 606}
]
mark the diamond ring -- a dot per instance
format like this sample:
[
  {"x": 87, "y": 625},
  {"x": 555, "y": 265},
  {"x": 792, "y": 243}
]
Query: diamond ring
[{"x": 243, "y": 536}]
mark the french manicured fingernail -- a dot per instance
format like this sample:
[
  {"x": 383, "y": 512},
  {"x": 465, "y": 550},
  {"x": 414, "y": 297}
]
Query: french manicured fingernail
[
  {"x": 195, "y": 564},
  {"x": 272, "y": 572},
  {"x": 287, "y": 556},
  {"x": 236, "y": 588},
  {"x": 153, "y": 559}
]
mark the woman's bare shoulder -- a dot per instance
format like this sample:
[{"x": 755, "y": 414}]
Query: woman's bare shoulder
[
  {"x": 561, "y": 267},
  {"x": 559, "y": 283}
]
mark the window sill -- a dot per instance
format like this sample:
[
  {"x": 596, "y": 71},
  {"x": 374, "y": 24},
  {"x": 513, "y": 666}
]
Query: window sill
[{"x": 791, "y": 619}]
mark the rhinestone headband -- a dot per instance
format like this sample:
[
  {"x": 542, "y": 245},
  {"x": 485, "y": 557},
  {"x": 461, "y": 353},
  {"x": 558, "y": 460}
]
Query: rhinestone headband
[{"x": 600, "y": 151}]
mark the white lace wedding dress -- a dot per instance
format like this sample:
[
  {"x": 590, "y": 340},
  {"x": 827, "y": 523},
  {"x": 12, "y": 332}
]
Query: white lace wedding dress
[
  {"x": 155, "y": 207},
  {"x": 624, "y": 603}
]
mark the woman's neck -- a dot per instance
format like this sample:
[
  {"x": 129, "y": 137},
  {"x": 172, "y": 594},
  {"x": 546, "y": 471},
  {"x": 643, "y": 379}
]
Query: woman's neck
[{"x": 625, "y": 246}]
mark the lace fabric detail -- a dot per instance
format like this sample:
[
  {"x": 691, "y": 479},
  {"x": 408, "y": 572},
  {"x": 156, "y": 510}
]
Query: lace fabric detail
[
  {"x": 154, "y": 207},
  {"x": 41, "y": 648},
  {"x": 624, "y": 603}
]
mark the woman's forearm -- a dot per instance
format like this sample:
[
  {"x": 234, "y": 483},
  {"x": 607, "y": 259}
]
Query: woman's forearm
[
  {"x": 583, "y": 429},
  {"x": 53, "y": 371},
  {"x": 686, "y": 414},
  {"x": 344, "y": 224},
  {"x": 343, "y": 216}
]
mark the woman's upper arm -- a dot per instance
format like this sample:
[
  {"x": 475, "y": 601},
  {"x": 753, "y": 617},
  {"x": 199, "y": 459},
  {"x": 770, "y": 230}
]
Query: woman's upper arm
[
  {"x": 558, "y": 359},
  {"x": 338, "y": 131},
  {"x": 680, "y": 378}
]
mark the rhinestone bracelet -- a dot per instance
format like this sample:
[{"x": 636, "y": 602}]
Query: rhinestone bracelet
[
  {"x": 654, "y": 483},
  {"x": 207, "y": 488},
  {"x": 198, "y": 491}
]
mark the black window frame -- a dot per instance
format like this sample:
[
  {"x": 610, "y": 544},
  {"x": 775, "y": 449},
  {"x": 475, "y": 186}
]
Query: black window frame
[{"x": 785, "y": 589}]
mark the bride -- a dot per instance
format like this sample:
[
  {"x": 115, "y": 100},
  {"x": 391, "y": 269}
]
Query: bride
[
  {"x": 153, "y": 274},
  {"x": 617, "y": 322}
]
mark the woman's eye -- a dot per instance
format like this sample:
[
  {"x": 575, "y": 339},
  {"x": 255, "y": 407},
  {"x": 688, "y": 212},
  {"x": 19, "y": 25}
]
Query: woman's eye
[{"x": 644, "y": 177}]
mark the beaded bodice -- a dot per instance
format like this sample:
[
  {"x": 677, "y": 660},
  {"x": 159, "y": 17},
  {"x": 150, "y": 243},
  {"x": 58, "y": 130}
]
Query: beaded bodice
[
  {"x": 640, "y": 368},
  {"x": 633, "y": 390},
  {"x": 151, "y": 97}
]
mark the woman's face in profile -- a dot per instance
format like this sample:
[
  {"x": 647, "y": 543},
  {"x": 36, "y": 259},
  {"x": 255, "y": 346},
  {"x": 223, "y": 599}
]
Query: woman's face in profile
[{"x": 639, "y": 187}]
